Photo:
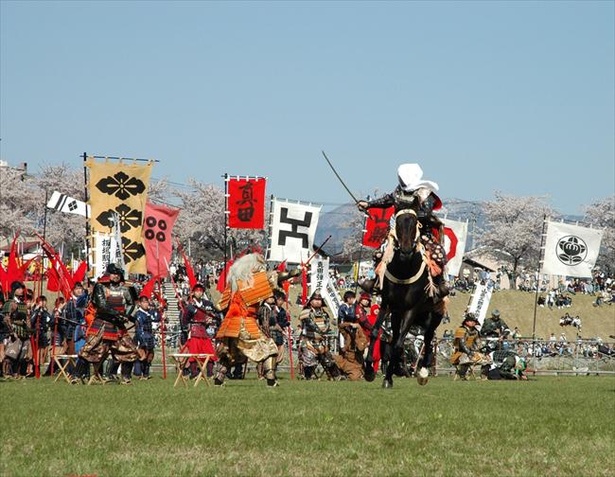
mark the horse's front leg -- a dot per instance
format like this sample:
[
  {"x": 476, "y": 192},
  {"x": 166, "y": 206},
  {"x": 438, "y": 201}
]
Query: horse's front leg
[
  {"x": 397, "y": 350},
  {"x": 422, "y": 375}
]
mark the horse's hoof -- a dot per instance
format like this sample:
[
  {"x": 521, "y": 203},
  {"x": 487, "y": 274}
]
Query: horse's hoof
[
  {"x": 422, "y": 376},
  {"x": 368, "y": 373},
  {"x": 387, "y": 384}
]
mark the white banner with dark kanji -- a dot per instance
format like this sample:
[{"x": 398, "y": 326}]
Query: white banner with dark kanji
[
  {"x": 106, "y": 250},
  {"x": 319, "y": 274},
  {"x": 480, "y": 300},
  {"x": 293, "y": 227}
]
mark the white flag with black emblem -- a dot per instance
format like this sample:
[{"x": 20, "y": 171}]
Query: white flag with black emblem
[
  {"x": 64, "y": 203},
  {"x": 571, "y": 250},
  {"x": 293, "y": 227}
]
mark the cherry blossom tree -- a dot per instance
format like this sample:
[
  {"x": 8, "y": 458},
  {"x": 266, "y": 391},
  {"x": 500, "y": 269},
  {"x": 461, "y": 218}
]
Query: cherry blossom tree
[
  {"x": 601, "y": 214},
  {"x": 514, "y": 226}
]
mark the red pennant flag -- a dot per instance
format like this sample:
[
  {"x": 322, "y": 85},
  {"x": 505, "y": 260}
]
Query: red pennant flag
[
  {"x": 148, "y": 288},
  {"x": 376, "y": 226},
  {"x": 78, "y": 274},
  {"x": 157, "y": 226},
  {"x": 14, "y": 271},
  {"x": 222, "y": 278},
  {"x": 304, "y": 285},
  {"x": 246, "y": 203},
  {"x": 59, "y": 276}
]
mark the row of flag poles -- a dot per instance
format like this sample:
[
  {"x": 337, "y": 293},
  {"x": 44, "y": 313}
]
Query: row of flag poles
[{"x": 126, "y": 227}]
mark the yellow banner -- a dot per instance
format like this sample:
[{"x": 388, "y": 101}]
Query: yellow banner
[{"x": 119, "y": 189}]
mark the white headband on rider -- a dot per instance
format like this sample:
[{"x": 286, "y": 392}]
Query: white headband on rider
[{"x": 411, "y": 178}]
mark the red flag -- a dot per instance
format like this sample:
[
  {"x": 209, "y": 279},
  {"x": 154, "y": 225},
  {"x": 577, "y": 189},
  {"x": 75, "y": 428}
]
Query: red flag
[
  {"x": 246, "y": 203},
  {"x": 304, "y": 285},
  {"x": 222, "y": 278},
  {"x": 78, "y": 274},
  {"x": 157, "y": 226},
  {"x": 14, "y": 271},
  {"x": 59, "y": 276},
  {"x": 376, "y": 226},
  {"x": 148, "y": 288},
  {"x": 189, "y": 270}
]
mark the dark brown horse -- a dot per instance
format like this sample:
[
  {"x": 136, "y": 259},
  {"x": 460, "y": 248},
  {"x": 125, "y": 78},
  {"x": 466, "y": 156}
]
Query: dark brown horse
[{"x": 406, "y": 296}]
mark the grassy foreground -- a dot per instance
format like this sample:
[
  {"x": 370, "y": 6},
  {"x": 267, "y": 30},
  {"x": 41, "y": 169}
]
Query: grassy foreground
[{"x": 546, "y": 426}]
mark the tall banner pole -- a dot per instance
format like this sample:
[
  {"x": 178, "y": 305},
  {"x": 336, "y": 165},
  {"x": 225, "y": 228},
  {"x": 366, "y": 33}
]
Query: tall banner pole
[
  {"x": 540, "y": 259},
  {"x": 226, "y": 212},
  {"x": 356, "y": 282},
  {"x": 87, "y": 215},
  {"x": 162, "y": 313}
]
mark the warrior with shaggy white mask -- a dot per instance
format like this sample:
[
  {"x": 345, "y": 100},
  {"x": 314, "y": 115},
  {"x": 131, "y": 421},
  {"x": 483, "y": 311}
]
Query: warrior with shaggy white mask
[{"x": 240, "y": 337}]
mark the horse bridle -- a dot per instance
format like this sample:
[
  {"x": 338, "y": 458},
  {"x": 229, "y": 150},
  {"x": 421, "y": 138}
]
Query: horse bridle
[{"x": 419, "y": 247}]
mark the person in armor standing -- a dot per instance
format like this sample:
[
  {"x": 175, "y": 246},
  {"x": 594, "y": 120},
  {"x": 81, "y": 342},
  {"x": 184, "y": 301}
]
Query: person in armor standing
[
  {"x": 313, "y": 344},
  {"x": 411, "y": 191},
  {"x": 111, "y": 305},
  {"x": 466, "y": 343},
  {"x": 15, "y": 313},
  {"x": 144, "y": 335},
  {"x": 199, "y": 315}
]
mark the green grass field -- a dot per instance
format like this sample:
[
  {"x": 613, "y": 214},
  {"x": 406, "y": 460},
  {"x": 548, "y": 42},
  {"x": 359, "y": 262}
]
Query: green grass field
[{"x": 546, "y": 426}]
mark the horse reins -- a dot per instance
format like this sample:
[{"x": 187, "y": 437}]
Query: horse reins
[{"x": 419, "y": 273}]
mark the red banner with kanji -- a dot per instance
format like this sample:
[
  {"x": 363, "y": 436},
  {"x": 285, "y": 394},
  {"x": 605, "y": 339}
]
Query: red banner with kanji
[
  {"x": 376, "y": 226},
  {"x": 157, "y": 227},
  {"x": 246, "y": 202}
]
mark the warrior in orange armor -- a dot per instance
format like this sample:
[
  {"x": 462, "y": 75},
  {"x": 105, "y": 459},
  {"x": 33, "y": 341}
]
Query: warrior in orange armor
[{"x": 239, "y": 337}]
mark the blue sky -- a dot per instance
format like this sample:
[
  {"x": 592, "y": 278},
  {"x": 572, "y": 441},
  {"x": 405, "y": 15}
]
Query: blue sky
[{"x": 510, "y": 96}]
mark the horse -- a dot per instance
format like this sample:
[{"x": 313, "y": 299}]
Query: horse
[{"x": 409, "y": 295}]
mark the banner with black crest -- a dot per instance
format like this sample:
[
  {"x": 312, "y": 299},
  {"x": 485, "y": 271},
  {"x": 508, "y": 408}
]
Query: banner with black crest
[{"x": 120, "y": 188}]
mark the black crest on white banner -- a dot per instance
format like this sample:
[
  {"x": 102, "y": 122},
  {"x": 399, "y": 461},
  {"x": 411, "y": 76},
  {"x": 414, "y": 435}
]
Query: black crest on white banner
[
  {"x": 299, "y": 228},
  {"x": 571, "y": 250}
]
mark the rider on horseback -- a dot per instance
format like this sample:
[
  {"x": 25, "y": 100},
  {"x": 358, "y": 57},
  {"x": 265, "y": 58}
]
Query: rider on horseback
[{"x": 412, "y": 187}]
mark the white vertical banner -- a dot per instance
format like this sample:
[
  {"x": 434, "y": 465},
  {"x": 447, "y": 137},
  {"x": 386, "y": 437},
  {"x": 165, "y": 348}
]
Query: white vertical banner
[
  {"x": 319, "y": 274},
  {"x": 455, "y": 238},
  {"x": 106, "y": 250},
  {"x": 480, "y": 300},
  {"x": 332, "y": 298},
  {"x": 571, "y": 250},
  {"x": 293, "y": 227}
]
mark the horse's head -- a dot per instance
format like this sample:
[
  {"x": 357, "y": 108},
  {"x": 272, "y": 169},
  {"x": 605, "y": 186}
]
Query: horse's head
[{"x": 407, "y": 231}]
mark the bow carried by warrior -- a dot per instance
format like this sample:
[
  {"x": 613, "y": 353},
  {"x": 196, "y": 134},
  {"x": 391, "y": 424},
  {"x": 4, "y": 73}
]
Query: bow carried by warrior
[{"x": 411, "y": 186}]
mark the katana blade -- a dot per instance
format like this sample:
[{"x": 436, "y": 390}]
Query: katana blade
[{"x": 339, "y": 178}]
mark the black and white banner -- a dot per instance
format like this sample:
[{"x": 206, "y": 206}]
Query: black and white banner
[
  {"x": 320, "y": 281},
  {"x": 293, "y": 227},
  {"x": 107, "y": 249},
  {"x": 480, "y": 301},
  {"x": 571, "y": 250},
  {"x": 63, "y": 203}
]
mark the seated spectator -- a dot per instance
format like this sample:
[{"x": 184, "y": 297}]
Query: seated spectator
[{"x": 350, "y": 359}]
